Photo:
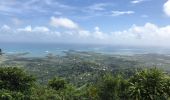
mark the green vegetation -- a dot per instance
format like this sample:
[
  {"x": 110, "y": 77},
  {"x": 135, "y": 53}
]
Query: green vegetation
[
  {"x": 57, "y": 83},
  {"x": 15, "y": 83},
  {"x": 77, "y": 68},
  {"x": 147, "y": 84},
  {"x": 113, "y": 88},
  {"x": 85, "y": 76}
]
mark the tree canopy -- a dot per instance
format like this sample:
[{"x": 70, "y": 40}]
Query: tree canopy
[{"x": 146, "y": 84}]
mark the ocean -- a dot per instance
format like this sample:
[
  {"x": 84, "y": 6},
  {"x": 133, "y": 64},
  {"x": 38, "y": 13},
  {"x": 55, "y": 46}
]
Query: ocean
[{"x": 42, "y": 49}]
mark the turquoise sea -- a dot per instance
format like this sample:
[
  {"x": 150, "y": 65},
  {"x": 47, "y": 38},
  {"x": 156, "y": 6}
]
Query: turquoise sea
[{"x": 41, "y": 49}]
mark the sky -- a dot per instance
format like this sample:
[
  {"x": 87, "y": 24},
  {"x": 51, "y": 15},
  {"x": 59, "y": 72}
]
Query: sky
[{"x": 113, "y": 22}]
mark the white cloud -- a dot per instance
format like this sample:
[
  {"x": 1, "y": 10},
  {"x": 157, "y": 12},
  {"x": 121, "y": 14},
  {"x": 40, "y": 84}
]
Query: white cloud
[
  {"x": 98, "y": 34},
  {"x": 84, "y": 33},
  {"x": 98, "y": 7},
  {"x": 166, "y": 8},
  {"x": 41, "y": 29},
  {"x": 63, "y": 22},
  {"x": 118, "y": 13},
  {"x": 29, "y": 28},
  {"x": 28, "y": 34},
  {"x": 149, "y": 34},
  {"x": 137, "y": 1},
  {"x": 5, "y": 28},
  {"x": 26, "y": 29},
  {"x": 27, "y": 7}
]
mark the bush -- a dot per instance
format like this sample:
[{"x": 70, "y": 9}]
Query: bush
[
  {"x": 15, "y": 84},
  {"x": 15, "y": 79},
  {"x": 113, "y": 87},
  {"x": 11, "y": 95},
  {"x": 150, "y": 84},
  {"x": 57, "y": 83}
]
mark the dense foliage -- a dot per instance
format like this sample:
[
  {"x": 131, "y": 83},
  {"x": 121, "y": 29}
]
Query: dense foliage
[
  {"x": 15, "y": 83},
  {"x": 147, "y": 84},
  {"x": 57, "y": 83}
]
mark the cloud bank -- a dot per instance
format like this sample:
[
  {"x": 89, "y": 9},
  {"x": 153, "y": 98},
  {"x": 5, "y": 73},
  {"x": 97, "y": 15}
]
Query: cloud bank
[
  {"x": 167, "y": 8},
  {"x": 147, "y": 35}
]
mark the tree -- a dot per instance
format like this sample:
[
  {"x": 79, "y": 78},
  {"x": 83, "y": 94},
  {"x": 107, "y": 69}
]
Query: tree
[
  {"x": 113, "y": 88},
  {"x": 15, "y": 83},
  {"x": 11, "y": 95},
  {"x": 15, "y": 79},
  {"x": 57, "y": 83},
  {"x": 149, "y": 84}
]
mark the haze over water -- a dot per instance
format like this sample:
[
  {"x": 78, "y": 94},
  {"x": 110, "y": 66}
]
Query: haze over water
[{"x": 39, "y": 49}]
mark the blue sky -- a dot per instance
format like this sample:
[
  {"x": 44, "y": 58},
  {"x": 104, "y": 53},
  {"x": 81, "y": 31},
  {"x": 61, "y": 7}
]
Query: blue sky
[{"x": 116, "y": 22}]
